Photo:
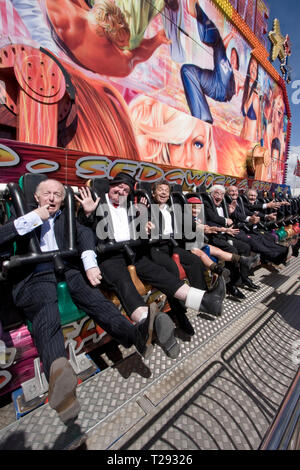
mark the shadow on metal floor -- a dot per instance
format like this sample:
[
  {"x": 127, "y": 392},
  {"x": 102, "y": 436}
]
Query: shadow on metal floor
[{"x": 222, "y": 392}]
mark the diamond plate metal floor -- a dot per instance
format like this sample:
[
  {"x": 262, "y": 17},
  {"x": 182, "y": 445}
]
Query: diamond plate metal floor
[{"x": 222, "y": 392}]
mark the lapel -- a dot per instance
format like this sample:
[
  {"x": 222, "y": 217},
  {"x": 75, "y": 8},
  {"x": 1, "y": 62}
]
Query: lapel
[
  {"x": 59, "y": 230},
  {"x": 212, "y": 204},
  {"x": 215, "y": 207}
]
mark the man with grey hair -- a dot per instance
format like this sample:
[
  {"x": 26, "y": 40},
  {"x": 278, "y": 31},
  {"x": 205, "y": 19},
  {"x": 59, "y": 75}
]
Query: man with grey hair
[
  {"x": 115, "y": 265},
  {"x": 262, "y": 243},
  {"x": 35, "y": 292},
  {"x": 216, "y": 214}
]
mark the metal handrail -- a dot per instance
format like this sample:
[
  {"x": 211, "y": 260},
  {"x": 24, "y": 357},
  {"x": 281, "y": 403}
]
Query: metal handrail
[{"x": 285, "y": 428}]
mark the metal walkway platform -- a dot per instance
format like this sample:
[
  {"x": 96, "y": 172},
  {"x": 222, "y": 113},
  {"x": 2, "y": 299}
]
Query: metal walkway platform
[{"x": 222, "y": 392}]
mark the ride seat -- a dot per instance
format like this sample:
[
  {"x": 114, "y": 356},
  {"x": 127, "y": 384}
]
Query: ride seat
[
  {"x": 182, "y": 273},
  {"x": 68, "y": 310},
  {"x": 98, "y": 187}
]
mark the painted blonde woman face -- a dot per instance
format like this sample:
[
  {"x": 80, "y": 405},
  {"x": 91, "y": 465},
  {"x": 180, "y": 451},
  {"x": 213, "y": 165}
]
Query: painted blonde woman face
[
  {"x": 193, "y": 152},
  {"x": 278, "y": 109}
]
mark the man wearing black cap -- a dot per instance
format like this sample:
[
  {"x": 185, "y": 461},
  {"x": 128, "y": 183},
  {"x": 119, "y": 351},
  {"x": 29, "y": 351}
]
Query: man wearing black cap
[
  {"x": 35, "y": 292},
  {"x": 114, "y": 266}
]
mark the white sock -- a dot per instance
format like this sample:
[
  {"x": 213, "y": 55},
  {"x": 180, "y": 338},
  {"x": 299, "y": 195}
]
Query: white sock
[
  {"x": 139, "y": 314},
  {"x": 143, "y": 316},
  {"x": 194, "y": 298}
]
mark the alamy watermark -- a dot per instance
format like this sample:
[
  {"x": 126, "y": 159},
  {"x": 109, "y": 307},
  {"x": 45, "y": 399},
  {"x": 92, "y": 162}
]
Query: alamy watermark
[
  {"x": 150, "y": 223},
  {"x": 296, "y": 93}
]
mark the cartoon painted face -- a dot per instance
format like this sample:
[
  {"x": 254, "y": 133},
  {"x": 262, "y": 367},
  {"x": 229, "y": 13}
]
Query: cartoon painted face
[
  {"x": 193, "y": 152},
  {"x": 234, "y": 60},
  {"x": 161, "y": 194},
  {"x": 253, "y": 70},
  {"x": 50, "y": 193},
  {"x": 278, "y": 110}
]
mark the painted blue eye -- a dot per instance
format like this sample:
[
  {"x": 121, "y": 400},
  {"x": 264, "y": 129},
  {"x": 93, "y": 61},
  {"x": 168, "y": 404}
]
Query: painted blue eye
[{"x": 198, "y": 144}]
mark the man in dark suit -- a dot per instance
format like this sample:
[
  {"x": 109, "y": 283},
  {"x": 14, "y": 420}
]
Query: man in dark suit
[
  {"x": 34, "y": 291},
  {"x": 262, "y": 243},
  {"x": 114, "y": 266},
  {"x": 162, "y": 253},
  {"x": 254, "y": 205},
  {"x": 216, "y": 215}
]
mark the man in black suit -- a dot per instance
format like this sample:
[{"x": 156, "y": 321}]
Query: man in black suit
[
  {"x": 254, "y": 205},
  {"x": 34, "y": 291},
  {"x": 262, "y": 243},
  {"x": 162, "y": 253},
  {"x": 114, "y": 266},
  {"x": 215, "y": 209}
]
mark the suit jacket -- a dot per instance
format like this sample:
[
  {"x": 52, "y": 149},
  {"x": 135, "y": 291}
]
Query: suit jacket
[
  {"x": 212, "y": 217},
  {"x": 84, "y": 241},
  {"x": 241, "y": 212},
  {"x": 7, "y": 233},
  {"x": 256, "y": 207}
]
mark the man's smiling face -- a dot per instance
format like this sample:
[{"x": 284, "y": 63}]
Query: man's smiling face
[
  {"x": 161, "y": 194},
  {"x": 217, "y": 197}
]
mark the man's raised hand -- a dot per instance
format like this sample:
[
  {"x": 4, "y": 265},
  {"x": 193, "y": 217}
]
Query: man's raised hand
[{"x": 86, "y": 200}]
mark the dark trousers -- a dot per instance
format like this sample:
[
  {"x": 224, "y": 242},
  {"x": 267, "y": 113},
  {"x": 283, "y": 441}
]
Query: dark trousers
[
  {"x": 265, "y": 245},
  {"x": 191, "y": 263},
  {"x": 38, "y": 299},
  {"x": 235, "y": 246},
  {"x": 230, "y": 244},
  {"x": 116, "y": 275}
]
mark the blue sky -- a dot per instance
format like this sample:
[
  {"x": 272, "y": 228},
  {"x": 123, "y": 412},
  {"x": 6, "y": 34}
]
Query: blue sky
[{"x": 288, "y": 13}]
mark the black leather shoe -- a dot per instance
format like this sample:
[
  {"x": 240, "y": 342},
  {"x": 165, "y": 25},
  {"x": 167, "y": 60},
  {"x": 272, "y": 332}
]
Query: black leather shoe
[
  {"x": 184, "y": 323},
  {"x": 248, "y": 283},
  {"x": 221, "y": 271},
  {"x": 212, "y": 301},
  {"x": 249, "y": 261},
  {"x": 235, "y": 292},
  {"x": 145, "y": 330},
  {"x": 295, "y": 251}
]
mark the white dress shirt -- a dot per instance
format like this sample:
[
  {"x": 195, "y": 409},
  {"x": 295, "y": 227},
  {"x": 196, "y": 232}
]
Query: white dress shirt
[
  {"x": 220, "y": 211},
  {"x": 119, "y": 220},
  {"x": 29, "y": 222},
  {"x": 168, "y": 227}
]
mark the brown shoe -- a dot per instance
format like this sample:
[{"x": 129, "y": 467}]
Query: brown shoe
[{"x": 62, "y": 389}]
